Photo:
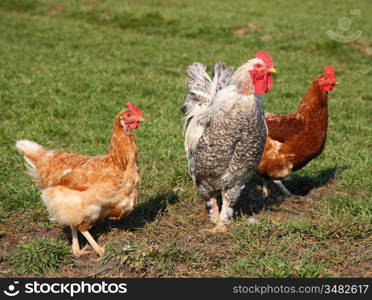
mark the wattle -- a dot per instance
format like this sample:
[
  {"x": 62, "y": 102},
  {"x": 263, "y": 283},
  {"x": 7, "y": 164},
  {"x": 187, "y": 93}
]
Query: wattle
[
  {"x": 328, "y": 87},
  {"x": 263, "y": 81},
  {"x": 134, "y": 125},
  {"x": 263, "y": 84}
]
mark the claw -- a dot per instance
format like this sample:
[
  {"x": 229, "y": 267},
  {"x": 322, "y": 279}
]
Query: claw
[{"x": 81, "y": 252}]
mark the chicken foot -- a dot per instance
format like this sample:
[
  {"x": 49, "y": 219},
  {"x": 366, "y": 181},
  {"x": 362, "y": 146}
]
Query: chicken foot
[
  {"x": 76, "y": 247},
  {"x": 224, "y": 219},
  {"x": 229, "y": 197}
]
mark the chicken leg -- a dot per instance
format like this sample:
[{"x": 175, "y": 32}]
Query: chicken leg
[
  {"x": 213, "y": 210},
  {"x": 75, "y": 245},
  {"x": 284, "y": 190},
  {"x": 229, "y": 197},
  {"x": 100, "y": 250},
  {"x": 265, "y": 188}
]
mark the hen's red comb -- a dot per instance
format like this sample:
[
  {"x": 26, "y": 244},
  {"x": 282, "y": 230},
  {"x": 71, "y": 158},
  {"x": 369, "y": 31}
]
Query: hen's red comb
[
  {"x": 134, "y": 108},
  {"x": 266, "y": 58},
  {"x": 330, "y": 71}
]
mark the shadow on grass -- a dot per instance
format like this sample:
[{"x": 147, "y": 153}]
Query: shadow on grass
[
  {"x": 144, "y": 213},
  {"x": 303, "y": 185},
  {"x": 252, "y": 200}
]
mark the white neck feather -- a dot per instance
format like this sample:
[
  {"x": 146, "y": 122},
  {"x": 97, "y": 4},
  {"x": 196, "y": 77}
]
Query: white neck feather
[{"x": 241, "y": 77}]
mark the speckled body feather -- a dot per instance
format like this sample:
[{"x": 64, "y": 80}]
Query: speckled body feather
[{"x": 231, "y": 145}]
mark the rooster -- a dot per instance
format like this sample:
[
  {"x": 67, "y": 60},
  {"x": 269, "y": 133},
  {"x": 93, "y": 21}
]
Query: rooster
[
  {"x": 80, "y": 190},
  {"x": 225, "y": 130},
  {"x": 295, "y": 139}
]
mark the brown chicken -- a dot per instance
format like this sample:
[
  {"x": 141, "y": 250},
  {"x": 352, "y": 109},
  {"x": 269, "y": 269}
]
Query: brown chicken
[
  {"x": 295, "y": 139},
  {"x": 80, "y": 190}
]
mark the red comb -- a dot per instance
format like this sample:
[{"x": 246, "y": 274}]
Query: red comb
[
  {"x": 266, "y": 58},
  {"x": 134, "y": 108},
  {"x": 330, "y": 71}
]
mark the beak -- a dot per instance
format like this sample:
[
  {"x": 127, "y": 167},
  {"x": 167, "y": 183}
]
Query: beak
[
  {"x": 271, "y": 70},
  {"x": 140, "y": 119}
]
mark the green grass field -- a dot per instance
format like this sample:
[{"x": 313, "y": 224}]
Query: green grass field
[{"x": 67, "y": 67}]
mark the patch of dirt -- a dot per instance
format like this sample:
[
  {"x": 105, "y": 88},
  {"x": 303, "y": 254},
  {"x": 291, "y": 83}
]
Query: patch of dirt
[
  {"x": 363, "y": 266},
  {"x": 54, "y": 9},
  {"x": 242, "y": 30},
  {"x": 15, "y": 232},
  {"x": 266, "y": 37},
  {"x": 363, "y": 45}
]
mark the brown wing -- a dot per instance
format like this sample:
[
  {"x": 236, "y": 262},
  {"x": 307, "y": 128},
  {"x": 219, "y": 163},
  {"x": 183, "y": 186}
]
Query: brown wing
[
  {"x": 96, "y": 170},
  {"x": 283, "y": 127},
  {"x": 77, "y": 172}
]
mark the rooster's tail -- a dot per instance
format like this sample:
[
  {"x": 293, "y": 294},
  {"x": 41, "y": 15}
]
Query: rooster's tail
[
  {"x": 32, "y": 153},
  {"x": 221, "y": 76},
  {"x": 199, "y": 93},
  {"x": 201, "y": 89}
]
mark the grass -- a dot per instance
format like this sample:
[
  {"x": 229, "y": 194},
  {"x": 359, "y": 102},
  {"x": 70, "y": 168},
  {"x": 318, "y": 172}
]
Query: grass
[
  {"x": 40, "y": 257},
  {"x": 67, "y": 68}
]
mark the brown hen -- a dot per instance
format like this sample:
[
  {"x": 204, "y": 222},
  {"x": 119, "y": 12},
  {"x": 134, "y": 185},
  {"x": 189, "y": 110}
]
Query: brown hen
[
  {"x": 296, "y": 138},
  {"x": 80, "y": 190}
]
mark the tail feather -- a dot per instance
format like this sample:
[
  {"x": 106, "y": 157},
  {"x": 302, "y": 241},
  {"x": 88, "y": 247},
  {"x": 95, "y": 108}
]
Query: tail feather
[
  {"x": 32, "y": 152},
  {"x": 221, "y": 76},
  {"x": 201, "y": 89}
]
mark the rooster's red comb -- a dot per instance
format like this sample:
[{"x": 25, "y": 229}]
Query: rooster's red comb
[
  {"x": 266, "y": 58},
  {"x": 330, "y": 71},
  {"x": 134, "y": 108}
]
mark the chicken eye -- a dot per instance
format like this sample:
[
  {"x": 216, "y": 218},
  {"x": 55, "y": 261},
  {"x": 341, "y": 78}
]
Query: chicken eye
[{"x": 259, "y": 67}]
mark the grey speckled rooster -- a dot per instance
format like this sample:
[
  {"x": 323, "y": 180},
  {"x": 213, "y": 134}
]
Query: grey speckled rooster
[{"x": 225, "y": 130}]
